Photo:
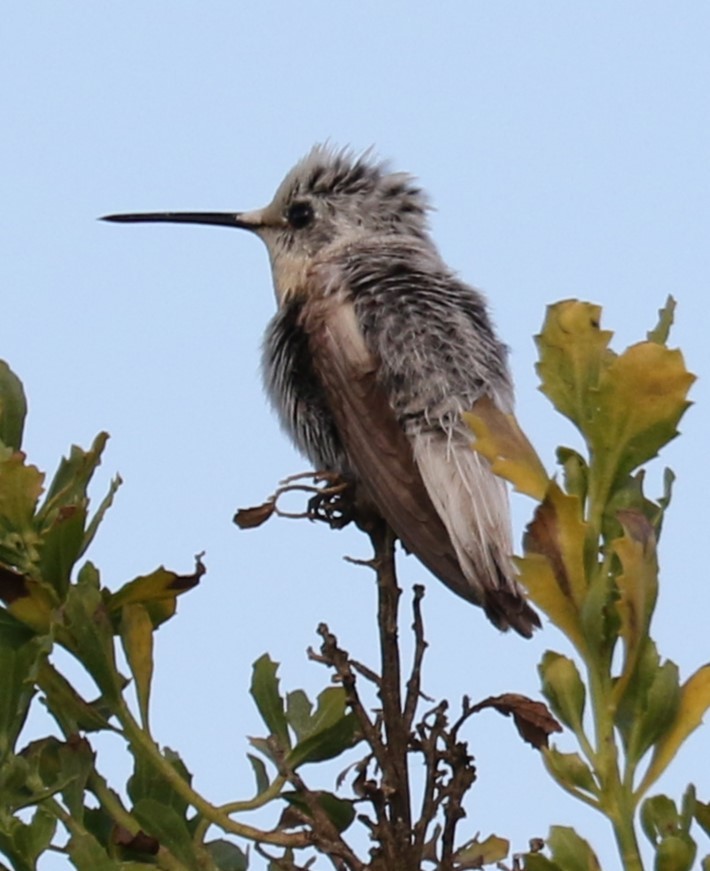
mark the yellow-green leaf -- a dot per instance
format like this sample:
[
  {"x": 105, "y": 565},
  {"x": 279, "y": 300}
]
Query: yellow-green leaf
[
  {"x": 538, "y": 578},
  {"x": 637, "y": 586},
  {"x": 563, "y": 689},
  {"x": 558, "y": 533},
  {"x": 476, "y": 853},
  {"x": 570, "y": 770},
  {"x": 20, "y": 488},
  {"x": 506, "y": 447},
  {"x": 158, "y": 591},
  {"x": 571, "y": 852},
  {"x": 28, "y": 600},
  {"x": 572, "y": 352},
  {"x": 694, "y": 702},
  {"x": 642, "y": 397},
  {"x": 137, "y": 639}
]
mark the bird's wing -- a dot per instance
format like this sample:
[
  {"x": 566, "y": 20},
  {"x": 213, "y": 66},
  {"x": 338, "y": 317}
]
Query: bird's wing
[
  {"x": 473, "y": 505},
  {"x": 377, "y": 448},
  {"x": 435, "y": 493}
]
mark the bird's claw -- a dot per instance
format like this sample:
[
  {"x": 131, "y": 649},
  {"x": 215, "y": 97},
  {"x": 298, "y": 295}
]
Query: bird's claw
[{"x": 333, "y": 504}]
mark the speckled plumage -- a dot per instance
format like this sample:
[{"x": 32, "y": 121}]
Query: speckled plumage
[
  {"x": 433, "y": 346},
  {"x": 375, "y": 351}
]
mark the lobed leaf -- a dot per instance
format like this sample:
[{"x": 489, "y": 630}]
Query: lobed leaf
[
  {"x": 478, "y": 853},
  {"x": 147, "y": 784},
  {"x": 573, "y": 351},
  {"x": 637, "y": 585},
  {"x": 90, "y": 636},
  {"x": 641, "y": 398},
  {"x": 693, "y": 703},
  {"x": 265, "y": 692}
]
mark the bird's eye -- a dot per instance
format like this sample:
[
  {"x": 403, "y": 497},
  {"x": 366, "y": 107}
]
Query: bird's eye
[{"x": 299, "y": 214}]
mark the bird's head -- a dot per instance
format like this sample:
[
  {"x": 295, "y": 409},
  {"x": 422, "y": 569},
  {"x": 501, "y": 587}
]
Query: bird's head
[{"x": 330, "y": 197}]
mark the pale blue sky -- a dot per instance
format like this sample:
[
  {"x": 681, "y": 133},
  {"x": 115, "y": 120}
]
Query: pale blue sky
[{"x": 565, "y": 146}]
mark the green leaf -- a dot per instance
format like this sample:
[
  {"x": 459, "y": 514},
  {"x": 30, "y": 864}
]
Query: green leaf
[
  {"x": 169, "y": 827},
  {"x": 575, "y": 471},
  {"x": 137, "y": 638},
  {"x": 147, "y": 784},
  {"x": 341, "y": 812},
  {"x": 60, "y": 766},
  {"x": 649, "y": 702},
  {"x": 87, "y": 854},
  {"x": 13, "y": 408},
  {"x": 90, "y": 636},
  {"x": 265, "y": 691},
  {"x": 326, "y": 744},
  {"x": 571, "y": 852},
  {"x": 61, "y": 547},
  {"x": 71, "y": 480},
  {"x": 570, "y": 770},
  {"x": 23, "y": 843},
  {"x": 260, "y": 774},
  {"x": 637, "y": 584},
  {"x": 659, "y": 818},
  {"x": 675, "y": 853},
  {"x": 299, "y": 713},
  {"x": 76, "y": 760},
  {"x": 73, "y": 713},
  {"x": 32, "y": 840},
  {"x": 227, "y": 856},
  {"x": 99, "y": 514},
  {"x": 693, "y": 703},
  {"x": 538, "y": 862},
  {"x": 702, "y": 816},
  {"x": 563, "y": 688},
  {"x": 330, "y": 730},
  {"x": 20, "y": 653},
  {"x": 600, "y": 621},
  {"x": 659, "y": 710}
]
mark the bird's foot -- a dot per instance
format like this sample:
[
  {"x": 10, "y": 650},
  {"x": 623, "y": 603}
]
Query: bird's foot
[{"x": 334, "y": 503}]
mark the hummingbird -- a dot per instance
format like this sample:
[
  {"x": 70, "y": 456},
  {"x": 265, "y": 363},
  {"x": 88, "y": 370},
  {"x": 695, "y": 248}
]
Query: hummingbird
[{"x": 374, "y": 353}]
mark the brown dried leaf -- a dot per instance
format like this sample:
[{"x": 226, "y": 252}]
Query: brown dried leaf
[
  {"x": 250, "y": 518},
  {"x": 533, "y": 720}
]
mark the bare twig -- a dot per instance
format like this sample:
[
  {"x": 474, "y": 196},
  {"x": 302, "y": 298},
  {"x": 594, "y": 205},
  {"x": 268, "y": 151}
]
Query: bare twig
[{"x": 415, "y": 678}]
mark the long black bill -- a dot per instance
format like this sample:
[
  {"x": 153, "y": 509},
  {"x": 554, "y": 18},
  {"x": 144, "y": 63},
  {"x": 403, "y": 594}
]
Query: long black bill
[{"x": 247, "y": 221}]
